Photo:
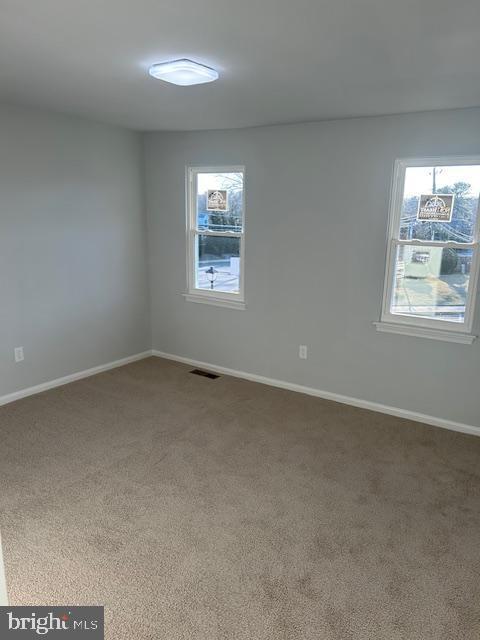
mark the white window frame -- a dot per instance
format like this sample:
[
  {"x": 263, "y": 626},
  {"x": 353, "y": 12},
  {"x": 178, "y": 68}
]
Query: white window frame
[
  {"x": 419, "y": 326},
  {"x": 230, "y": 300}
]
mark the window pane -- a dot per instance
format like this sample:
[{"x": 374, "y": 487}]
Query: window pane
[
  {"x": 463, "y": 182},
  {"x": 220, "y": 201},
  {"x": 218, "y": 263},
  {"x": 431, "y": 282}
]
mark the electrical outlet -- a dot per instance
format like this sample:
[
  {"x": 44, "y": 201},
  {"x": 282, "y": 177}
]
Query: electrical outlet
[
  {"x": 19, "y": 357},
  {"x": 302, "y": 351}
]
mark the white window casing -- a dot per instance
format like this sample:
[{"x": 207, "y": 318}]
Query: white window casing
[
  {"x": 437, "y": 328},
  {"x": 194, "y": 293}
]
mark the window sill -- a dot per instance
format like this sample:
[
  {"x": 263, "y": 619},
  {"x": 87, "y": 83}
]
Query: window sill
[
  {"x": 424, "y": 332},
  {"x": 216, "y": 302}
]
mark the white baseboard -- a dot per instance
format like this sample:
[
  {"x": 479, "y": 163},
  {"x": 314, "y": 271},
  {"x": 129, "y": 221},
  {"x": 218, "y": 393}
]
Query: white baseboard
[
  {"x": 58, "y": 382},
  {"x": 282, "y": 384},
  {"x": 328, "y": 395}
]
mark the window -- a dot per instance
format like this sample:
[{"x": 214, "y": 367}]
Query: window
[
  {"x": 432, "y": 258},
  {"x": 215, "y": 236}
]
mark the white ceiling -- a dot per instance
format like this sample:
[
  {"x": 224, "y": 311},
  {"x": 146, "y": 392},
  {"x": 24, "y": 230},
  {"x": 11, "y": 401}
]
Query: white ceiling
[{"x": 279, "y": 60}]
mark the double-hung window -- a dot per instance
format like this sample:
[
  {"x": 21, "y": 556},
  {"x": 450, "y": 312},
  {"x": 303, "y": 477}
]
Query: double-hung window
[
  {"x": 433, "y": 249},
  {"x": 215, "y": 235}
]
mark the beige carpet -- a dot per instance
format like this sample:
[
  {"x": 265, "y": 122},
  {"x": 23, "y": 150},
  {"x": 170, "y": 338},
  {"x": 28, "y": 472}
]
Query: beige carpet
[{"x": 204, "y": 510}]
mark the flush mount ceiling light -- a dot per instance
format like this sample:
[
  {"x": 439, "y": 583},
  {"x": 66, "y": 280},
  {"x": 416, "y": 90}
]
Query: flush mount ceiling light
[{"x": 183, "y": 72}]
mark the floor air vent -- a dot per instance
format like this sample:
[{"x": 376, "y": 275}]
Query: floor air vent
[{"x": 205, "y": 374}]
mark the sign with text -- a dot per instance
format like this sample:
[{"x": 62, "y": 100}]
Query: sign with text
[
  {"x": 217, "y": 200},
  {"x": 58, "y": 623},
  {"x": 435, "y": 207}
]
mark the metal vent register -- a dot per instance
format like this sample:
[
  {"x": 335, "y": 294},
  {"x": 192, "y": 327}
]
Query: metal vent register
[{"x": 205, "y": 374}]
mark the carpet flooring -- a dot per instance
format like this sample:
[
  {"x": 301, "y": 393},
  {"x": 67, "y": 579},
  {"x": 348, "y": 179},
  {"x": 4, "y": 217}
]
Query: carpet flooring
[{"x": 224, "y": 509}]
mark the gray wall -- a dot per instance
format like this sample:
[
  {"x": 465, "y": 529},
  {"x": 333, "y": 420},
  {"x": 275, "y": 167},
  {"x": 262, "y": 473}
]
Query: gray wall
[
  {"x": 73, "y": 273},
  {"x": 317, "y": 206}
]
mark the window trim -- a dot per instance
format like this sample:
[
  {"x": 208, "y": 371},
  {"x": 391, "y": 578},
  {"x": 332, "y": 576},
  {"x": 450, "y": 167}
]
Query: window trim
[
  {"x": 230, "y": 300},
  {"x": 426, "y": 327}
]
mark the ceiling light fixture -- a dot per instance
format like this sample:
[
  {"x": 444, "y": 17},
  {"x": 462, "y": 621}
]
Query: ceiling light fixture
[{"x": 183, "y": 72}]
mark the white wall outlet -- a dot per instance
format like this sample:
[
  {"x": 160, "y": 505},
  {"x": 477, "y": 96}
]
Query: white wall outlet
[
  {"x": 302, "y": 351},
  {"x": 19, "y": 357}
]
